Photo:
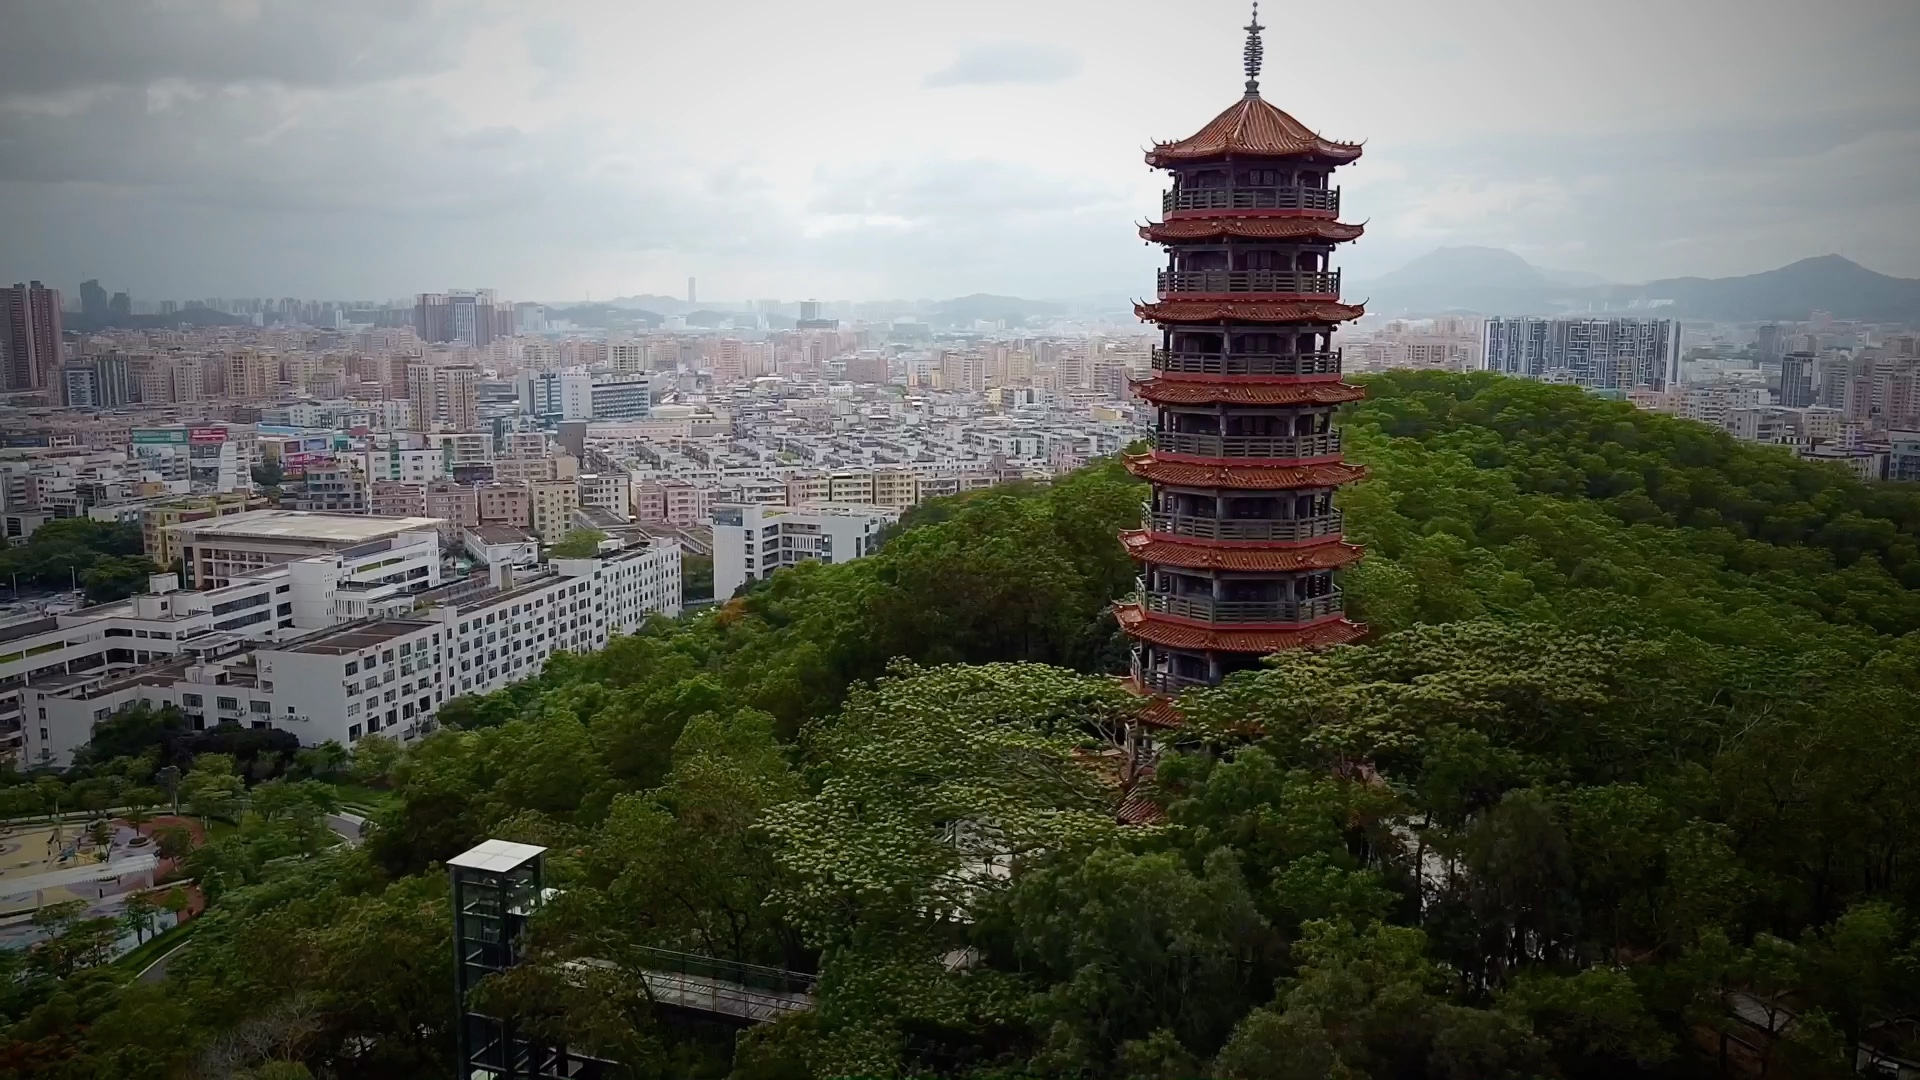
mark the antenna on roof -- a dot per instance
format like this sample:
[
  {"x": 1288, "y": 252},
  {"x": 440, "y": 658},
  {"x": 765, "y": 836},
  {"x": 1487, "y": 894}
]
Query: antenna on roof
[{"x": 1254, "y": 52}]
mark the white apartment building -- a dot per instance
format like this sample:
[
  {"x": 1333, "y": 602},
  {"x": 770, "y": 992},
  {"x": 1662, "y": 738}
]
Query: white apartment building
[
  {"x": 612, "y": 492},
  {"x": 407, "y": 466},
  {"x": 388, "y": 674},
  {"x": 752, "y": 541},
  {"x": 374, "y": 550}
]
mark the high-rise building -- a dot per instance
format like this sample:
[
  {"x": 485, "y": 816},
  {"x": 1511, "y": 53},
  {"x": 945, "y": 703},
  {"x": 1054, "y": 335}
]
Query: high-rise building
[
  {"x": 30, "y": 336},
  {"x": 93, "y": 303},
  {"x": 692, "y": 296},
  {"x": 463, "y": 316},
  {"x": 444, "y": 395},
  {"x": 1768, "y": 346},
  {"x": 1241, "y": 540},
  {"x": 251, "y": 374},
  {"x": 78, "y": 387},
  {"x": 1599, "y": 354},
  {"x": 1796, "y": 380}
]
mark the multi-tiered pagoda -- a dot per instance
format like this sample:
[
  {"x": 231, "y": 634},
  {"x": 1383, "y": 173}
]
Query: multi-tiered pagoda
[{"x": 1241, "y": 541}]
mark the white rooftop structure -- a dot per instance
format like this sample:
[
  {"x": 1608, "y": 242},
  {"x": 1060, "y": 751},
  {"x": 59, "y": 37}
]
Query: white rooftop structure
[
  {"x": 305, "y": 525},
  {"x": 495, "y": 856}
]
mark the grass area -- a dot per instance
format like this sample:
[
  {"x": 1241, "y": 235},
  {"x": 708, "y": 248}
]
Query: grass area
[
  {"x": 363, "y": 800},
  {"x": 155, "y": 947},
  {"x": 217, "y": 827}
]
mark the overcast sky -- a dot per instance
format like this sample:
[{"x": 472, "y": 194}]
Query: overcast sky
[{"x": 904, "y": 148}]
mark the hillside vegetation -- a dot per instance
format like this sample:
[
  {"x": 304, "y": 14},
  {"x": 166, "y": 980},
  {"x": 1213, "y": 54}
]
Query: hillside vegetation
[{"x": 1635, "y": 733}]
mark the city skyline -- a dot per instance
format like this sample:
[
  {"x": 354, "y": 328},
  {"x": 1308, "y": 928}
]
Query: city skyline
[{"x": 365, "y": 149}]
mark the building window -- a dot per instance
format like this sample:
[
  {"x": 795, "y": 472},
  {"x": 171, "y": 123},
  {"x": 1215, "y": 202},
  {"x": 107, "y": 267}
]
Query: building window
[
  {"x": 260, "y": 706},
  {"x": 228, "y": 703},
  {"x": 353, "y": 733},
  {"x": 353, "y": 667},
  {"x": 190, "y": 700}
]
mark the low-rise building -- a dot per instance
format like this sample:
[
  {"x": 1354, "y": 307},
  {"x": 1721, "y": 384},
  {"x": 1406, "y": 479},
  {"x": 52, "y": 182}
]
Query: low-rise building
[
  {"x": 388, "y": 674},
  {"x": 377, "y": 549},
  {"x": 752, "y": 541}
]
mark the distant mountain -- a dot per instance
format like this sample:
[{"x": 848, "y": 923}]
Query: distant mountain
[
  {"x": 1580, "y": 278},
  {"x": 1830, "y": 283},
  {"x": 1012, "y": 310},
  {"x": 194, "y": 315},
  {"x": 1492, "y": 281},
  {"x": 1466, "y": 279},
  {"x": 668, "y": 304}
]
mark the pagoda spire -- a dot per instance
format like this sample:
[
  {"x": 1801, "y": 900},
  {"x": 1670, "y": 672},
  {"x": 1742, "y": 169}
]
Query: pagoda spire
[{"x": 1254, "y": 52}]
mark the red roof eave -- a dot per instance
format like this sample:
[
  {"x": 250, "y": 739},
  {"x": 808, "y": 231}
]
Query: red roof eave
[
  {"x": 1198, "y": 391},
  {"x": 1155, "y": 469},
  {"x": 1252, "y": 228},
  {"x": 1177, "y": 634},
  {"x": 1264, "y": 311}
]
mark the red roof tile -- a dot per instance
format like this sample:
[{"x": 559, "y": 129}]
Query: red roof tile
[
  {"x": 1139, "y": 623},
  {"x": 1203, "y": 391},
  {"x": 1252, "y": 228},
  {"x": 1242, "y": 477},
  {"x": 1331, "y": 555},
  {"x": 1275, "y": 311},
  {"x": 1254, "y": 127},
  {"x": 1137, "y": 809},
  {"x": 1158, "y": 712}
]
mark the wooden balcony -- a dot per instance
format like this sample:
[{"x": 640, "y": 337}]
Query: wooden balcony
[
  {"x": 1325, "y": 444},
  {"x": 1285, "y": 530},
  {"x": 1273, "y": 198},
  {"x": 1167, "y": 682},
  {"x": 1192, "y": 363},
  {"x": 1207, "y": 609},
  {"x": 1236, "y": 282}
]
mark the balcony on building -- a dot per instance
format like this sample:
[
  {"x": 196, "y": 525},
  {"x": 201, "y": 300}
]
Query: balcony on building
[
  {"x": 1301, "y": 197},
  {"x": 1215, "y": 362},
  {"x": 1236, "y": 599},
  {"x": 1223, "y": 431},
  {"x": 1164, "y": 672},
  {"x": 1263, "y": 447},
  {"x": 1174, "y": 283},
  {"x": 1275, "y": 529}
]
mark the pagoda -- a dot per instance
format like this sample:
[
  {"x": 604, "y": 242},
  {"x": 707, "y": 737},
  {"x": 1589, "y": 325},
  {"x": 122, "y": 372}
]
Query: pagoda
[{"x": 1241, "y": 540}]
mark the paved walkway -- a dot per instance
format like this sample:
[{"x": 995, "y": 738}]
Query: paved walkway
[{"x": 726, "y": 998}]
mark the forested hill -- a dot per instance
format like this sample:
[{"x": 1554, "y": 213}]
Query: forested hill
[{"x": 1633, "y": 743}]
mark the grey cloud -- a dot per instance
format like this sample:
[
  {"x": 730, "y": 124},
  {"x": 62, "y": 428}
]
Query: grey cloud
[
  {"x": 1716, "y": 201},
  {"x": 51, "y": 46},
  {"x": 1008, "y": 62},
  {"x": 946, "y": 189}
]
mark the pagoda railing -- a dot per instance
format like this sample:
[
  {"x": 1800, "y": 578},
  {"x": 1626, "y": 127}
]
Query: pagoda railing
[
  {"x": 1207, "y": 609},
  {"x": 1325, "y": 444},
  {"x": 1206, "y": 528},
  {"x": 1192, "y": 363},
  {"x": 1273, "y": 198},
  {"x": 1292, "y": 282},
  {"x": 1167, "y": 682}
]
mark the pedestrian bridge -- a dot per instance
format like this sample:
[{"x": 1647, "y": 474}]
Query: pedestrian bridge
[{"x": 724, "y": 989}]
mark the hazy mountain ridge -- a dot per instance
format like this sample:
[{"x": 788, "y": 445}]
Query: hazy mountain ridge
[{"x": 1493, "y": 281}]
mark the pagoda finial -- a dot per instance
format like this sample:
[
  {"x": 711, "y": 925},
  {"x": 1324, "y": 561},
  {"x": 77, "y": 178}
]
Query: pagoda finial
[{"x": 1254, "y": 52}]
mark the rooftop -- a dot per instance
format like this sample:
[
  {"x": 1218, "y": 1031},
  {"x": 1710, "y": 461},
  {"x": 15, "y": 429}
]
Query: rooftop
[
  {"x": 499, "y": 534},
  {"x": 307, "y": 525},
  {"x": 356, "y": 637},
  {"x": 495, "y": 855}
]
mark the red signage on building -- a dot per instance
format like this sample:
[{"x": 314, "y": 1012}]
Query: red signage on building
[{"x": 208, "y": 434}]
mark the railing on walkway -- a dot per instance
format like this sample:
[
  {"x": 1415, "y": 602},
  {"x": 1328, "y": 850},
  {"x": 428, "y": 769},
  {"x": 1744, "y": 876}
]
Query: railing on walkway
[{"x": 1266, "y": 198}]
